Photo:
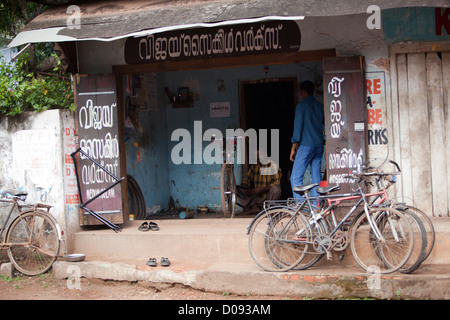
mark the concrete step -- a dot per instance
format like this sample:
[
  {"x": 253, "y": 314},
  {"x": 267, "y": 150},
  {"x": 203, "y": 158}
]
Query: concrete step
[
  {"x": 207, "y": 240},
  {"x": 204, "y": 240}
]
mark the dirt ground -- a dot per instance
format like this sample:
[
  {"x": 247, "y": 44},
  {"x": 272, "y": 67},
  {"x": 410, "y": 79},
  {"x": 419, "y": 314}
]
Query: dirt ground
[{"x": 47, "y": 287}]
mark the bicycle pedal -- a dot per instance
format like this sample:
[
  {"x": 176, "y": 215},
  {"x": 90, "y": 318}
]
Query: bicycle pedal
[
  {"x": 329, "y": 256},
  {"x": 341, "y": 257}
]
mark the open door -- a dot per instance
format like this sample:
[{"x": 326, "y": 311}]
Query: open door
[
  {"x": 345, "y": 118},
  {"x": 98, "y": 163}
]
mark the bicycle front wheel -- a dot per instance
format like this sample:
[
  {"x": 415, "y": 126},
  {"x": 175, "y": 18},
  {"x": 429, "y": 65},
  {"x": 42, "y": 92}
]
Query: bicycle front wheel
[
  {"x": 387, "y": 253},
  {"x": 33, "y": 242},
  {"x": 228, "y": 190},
  {"x": 273, "y": 242}
]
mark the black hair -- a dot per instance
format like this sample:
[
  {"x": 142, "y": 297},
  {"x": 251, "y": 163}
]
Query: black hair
[{"x": 307, "y": 86}]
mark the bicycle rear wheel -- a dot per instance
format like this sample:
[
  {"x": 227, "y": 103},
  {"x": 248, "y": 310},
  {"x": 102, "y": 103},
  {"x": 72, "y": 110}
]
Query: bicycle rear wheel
[
  {"x": 228, "y": 190},
  {"x": 315, "y": 251},
  {"x": 33, "y": 242},
  {"x": 427, "y": 223},
  {"x": 389, "y": 253},
  {"x": 272, "y": 239},
  {"x": 420, "y": 243}
]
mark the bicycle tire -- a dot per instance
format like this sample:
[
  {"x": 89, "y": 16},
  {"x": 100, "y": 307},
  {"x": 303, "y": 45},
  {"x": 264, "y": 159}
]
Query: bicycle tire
[
  {"x": 136, "y": 199},
  {"x": 37, "y": 256},
  {"x": 428, "y": 224},
  {"x": 271, "y": 239},
  {"x": 420, "y": 243},
  {"x": 228, "y": 190},
  {"x": 389, "y": 254}
]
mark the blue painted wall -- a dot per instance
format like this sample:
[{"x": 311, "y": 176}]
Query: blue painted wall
[
  {"x": 416, "y": 24},
  {"x": 192, "y": 184},
  {"x": 147, "y": 158}
]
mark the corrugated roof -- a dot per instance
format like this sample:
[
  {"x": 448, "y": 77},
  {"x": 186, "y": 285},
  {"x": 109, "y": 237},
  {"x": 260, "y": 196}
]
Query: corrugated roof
[{"x": 110, "y": 20}]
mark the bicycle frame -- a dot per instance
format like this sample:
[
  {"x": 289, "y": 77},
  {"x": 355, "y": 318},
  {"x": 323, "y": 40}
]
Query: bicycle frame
[
  {"x": 15, "y": 203},
  {"x": 334, "y": 200}
]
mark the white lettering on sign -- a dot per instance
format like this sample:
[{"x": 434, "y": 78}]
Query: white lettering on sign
[
  {"x": 96, "y": 117},
  {"x": 160, "y": 48},
  {"x": 334, "y": 88}
]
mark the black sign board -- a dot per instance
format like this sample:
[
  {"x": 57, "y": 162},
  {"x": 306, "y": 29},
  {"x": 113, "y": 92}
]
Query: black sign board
[
  {"x": 97, "y": 127},
  {"x": 345, "y": 118},
  {"x": 222, "y": 41}
]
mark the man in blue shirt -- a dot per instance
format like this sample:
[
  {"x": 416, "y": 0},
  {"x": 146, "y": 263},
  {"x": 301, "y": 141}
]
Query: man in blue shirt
[{"x": 307, "y": 138}]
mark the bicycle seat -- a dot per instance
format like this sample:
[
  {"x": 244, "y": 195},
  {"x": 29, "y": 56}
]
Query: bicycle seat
[
  {"x": 15, "y": 193},
  {"x": 303, "y": 189},
  {"x": 325, "y": 190}
]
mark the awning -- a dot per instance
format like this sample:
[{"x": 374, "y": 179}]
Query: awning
[{"x": 112, "y": 20}]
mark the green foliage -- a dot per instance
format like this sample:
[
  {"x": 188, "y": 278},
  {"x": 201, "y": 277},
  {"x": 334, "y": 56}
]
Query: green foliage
[
  {"x": 14, "y": 15},
  {"x": 21, "y": 90}
]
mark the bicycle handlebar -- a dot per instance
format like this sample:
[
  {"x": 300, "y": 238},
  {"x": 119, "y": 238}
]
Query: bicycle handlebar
[{"x": 375, "y": 173}]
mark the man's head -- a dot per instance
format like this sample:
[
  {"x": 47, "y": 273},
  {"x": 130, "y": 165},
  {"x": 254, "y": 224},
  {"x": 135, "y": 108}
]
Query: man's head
[
  {"x": 261, "y": 156},
  {"x": 307, "y": 88}
]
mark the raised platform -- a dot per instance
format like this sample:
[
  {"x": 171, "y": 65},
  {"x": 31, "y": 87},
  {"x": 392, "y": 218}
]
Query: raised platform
[{"x": 197, "y": 240}]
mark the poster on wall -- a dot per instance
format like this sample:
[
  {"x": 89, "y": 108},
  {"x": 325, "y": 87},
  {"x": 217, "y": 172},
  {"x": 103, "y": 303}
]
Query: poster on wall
[
  {"x": 142, "y": 90},
  {"x": 70, "y": 180},
  {"x": 34, "y": 150},
  {"x": 377, "y": 134},
  {"x": 377, "y": 129},
  {"x": 219, "y": 109}
]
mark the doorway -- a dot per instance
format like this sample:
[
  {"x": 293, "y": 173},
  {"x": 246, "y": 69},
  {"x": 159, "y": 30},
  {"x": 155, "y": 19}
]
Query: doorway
[{"x": 270, "y": 104}]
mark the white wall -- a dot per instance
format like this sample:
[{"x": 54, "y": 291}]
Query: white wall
[{"x": 32, "y": 159}]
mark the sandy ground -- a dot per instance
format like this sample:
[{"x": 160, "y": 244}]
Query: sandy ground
[{"x": 46, "y": 287}]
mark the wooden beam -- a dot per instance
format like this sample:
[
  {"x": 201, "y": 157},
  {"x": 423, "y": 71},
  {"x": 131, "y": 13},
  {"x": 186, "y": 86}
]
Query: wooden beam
[{"x": 232, "y": 62}]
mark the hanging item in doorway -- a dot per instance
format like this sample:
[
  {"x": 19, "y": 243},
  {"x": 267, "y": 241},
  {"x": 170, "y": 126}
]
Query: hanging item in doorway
[
  {"x": 131, "y": 114},
  {"x": 143, "y": 91}
]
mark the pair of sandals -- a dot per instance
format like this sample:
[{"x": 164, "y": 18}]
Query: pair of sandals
[
  {"x": 165, "y": 262},
  {"x": 146, "y": 226}
]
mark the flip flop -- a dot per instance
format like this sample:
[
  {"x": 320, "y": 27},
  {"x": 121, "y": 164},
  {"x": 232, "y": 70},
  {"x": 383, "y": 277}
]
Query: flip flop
[
  {"x": 144, "y": 227},
  {"x": 153, "y": 226},
  {"x": 165, "y": 262},
  {"x": 151, "y": 262}
]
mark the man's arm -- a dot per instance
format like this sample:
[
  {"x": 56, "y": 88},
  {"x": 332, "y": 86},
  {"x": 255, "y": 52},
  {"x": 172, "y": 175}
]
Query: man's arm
[
  {"x": 294, "y": 149},
  {"x": 298, "y": 128}
]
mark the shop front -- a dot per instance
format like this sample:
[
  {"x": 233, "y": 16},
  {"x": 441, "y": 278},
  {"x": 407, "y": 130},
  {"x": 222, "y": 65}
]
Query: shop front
[{"x": 151, "y": 96}]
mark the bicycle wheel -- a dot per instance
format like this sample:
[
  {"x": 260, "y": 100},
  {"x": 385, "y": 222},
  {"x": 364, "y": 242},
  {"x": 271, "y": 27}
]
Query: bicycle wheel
[
  {"x": 272, "y": 239},
  {"x": 228, "y": 190},
  {"x": 389, "y": 253},
  {"x": 420, "y": 243},
  {"x": 318, "y": 248},
  {"x": 33, "y": 242},
  {"x": 427, "y": 223}
]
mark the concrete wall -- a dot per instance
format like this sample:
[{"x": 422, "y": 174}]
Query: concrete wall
[{"x": 32, "y": 158}]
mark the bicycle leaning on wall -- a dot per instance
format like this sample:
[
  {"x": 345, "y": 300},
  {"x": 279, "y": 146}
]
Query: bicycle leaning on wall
[{"x": 32, "y": 238}]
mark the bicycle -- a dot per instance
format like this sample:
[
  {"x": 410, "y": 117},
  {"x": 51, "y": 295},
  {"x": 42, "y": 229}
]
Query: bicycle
[
  {"x": 228, "y": 189},
  {"x": 32, "y": 238},
  {"x": 420, "y": 220},
  {"x": 422, "y": 226},
  {"x": 288, "y": 239}
]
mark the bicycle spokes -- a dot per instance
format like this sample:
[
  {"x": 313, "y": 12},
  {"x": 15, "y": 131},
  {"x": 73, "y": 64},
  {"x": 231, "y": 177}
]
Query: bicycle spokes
[{"x": 33, "y": 243}]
